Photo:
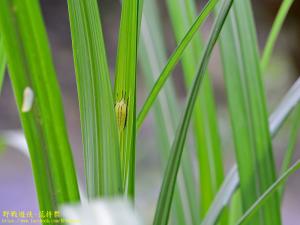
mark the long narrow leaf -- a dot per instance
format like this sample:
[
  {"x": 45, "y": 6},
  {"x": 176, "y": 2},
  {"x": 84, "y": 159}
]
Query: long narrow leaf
[
  {"x": 290, "y": 101},
  {"x": 98, "y": 124},
  {"x": 153, "y": 57},
  {"x": 2, "y": 63},
  {"x": 287, "y": 105},
  {"x": 230, "y": 184},
  {"x": 39, "y": 102},
  {"x": 125, "y": 90},
  {"x": 235, "y": 207},
  {"x": 15, "y": 139},
  {"x": 175, "y": 57},
  {"x": 167, "y": 189},
  {"x": 204, "y": 116},
  {"x": 293, "y": 138},
  {"x": 247, "y": 107},
  {"x": 268, "y": 193},
  {"x": 282, "y": 13}
]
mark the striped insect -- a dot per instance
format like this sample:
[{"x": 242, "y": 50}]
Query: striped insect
[{"x": 121, "y": 113}]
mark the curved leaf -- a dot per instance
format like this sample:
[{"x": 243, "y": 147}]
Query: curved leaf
[
  {"x": 247, "y": 106},
  {"x": 177, "y": 54},
  {"x": 292, "y": 142},
  {"x": 205, "y": 127},
  {"x": 31, "y": 70},
  {"x": 287, "y": 105},
  {"x": 282, "y": 13},
  {"x": 153, "y": 57},
  {"x": 167, "y": 189},
  {"x": 268, "y": 193}
]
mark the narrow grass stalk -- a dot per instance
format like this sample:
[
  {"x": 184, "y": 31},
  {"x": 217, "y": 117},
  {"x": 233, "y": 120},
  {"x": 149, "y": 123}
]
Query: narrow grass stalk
[
  {"x": 264, "y": 62},
  {"x": 167, "y": 189},
  {"x": 153, "y": 57},
  {"x": 268, "y": 193},
  {"x": 204, "y": 116},
  {"x": 173, "y": 60},
  {"x": 277, "y": 25},
  {"x": 125, "y": 91},
  {"x": 39, "y": 102},
  {"x": 98, "y": 123},
  {"x": 287, "y": 104},
  {"x": 235, "y": 208},
  {"x": 232, "y": 182},
  {"x": 247, "y": 107},
  {"x": 293, "y": 138},
  {"x": 2, "y": 63},
  {"x": 222, "y": 198},
  {"x": 275, "y": 30}
]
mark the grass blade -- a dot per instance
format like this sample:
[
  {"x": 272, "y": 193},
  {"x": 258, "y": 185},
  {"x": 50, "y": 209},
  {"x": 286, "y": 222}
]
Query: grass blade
[
  {"x": 153, "y": 58},
  {"x": 277, "y": 25},
  {"x": 288, "y": 155},
  {"x": 175, "y": 57},
  {"x": 282, "y": 13},
  {"x": 2, "y": 63},
  {"x": 235, "y": 207},
  {"x": 248, "y": 111},
  {"x": 98, "y": 123},
  {"x": 268, "y": 193},
  {"x": 289, "y": 102},
  {"x": 287, "y": 105},
  {"x": 125, "y": 90},
  {"x": 34, "y": 83},
  {"x": 204, "y": 116},
  {"x": 229, "y": 186},
  {"x": 167, "y": 189}
]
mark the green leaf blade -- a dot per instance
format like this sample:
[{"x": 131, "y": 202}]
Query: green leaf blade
[
  {"x": 153, "y": 57},
  {"x": 167, "y": 189},
  {"x": 290, "y": 101},
  {"x": 204, "y": 116},
  {"x": 125, "y": 90},
  {"x": 279, "y": 20},
  {"x": 173, "y": 61},
  {"x": 248, "y": 111},
  {"x": 292, "y": 142},
  {"x": 2, "y": 63},
  {"x": 268, "y": 193},
  {"x": 99, "y": 129},
  {"x": 34, "y": 83}
]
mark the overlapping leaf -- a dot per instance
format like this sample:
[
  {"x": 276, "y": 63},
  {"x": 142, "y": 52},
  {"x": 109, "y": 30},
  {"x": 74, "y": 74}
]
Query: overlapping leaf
[
  {"x": 167, "y": 189},
  {"x": 98, "y": 123},
  {"x": 247, "y": 108},
  {"x": 125, "y": 90},
  {"x": 39, "y": 102}
]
